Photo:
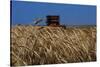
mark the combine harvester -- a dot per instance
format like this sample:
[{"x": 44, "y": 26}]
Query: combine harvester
[{"x": 51, "y": 21}]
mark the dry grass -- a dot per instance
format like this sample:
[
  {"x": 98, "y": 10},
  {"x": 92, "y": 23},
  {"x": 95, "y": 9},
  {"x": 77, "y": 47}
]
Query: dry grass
[{"x": 35, "y": 45}]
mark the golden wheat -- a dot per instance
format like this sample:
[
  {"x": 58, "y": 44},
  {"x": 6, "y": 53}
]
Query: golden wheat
[{"x": 32, "y": 45}]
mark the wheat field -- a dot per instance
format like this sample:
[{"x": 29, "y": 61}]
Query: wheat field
[{"x": 37, "y": 45}]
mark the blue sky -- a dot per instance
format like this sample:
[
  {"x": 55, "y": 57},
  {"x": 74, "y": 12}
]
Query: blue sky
[{"x": 25, "y": 12}]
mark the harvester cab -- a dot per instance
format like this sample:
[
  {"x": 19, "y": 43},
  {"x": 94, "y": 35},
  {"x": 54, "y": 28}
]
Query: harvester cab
[{"x": 52, "y": 21}]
